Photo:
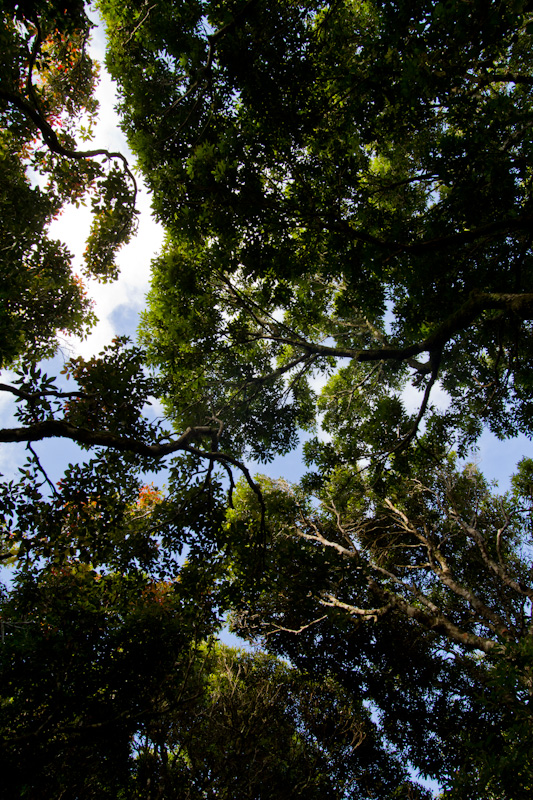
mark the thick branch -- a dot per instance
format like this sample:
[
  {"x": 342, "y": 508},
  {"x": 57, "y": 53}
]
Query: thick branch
[
  {"x": 434, "y": 621},
  {"x": 50, "y": 429},
  {"x": 440, "y": 242},
  {"x": 365, "y": 613},
  {"x": 53, "y": 428},
  {"x": 425, "y": 611},
  {"x": 317, "y": 537},
  {"x": 446, "y": 577},
  {"x": 53, "y": 143},
  {"x": 519, "y": 304},
  {"x": 478, "y": 605},
  {"x": 50, "y": 136}
]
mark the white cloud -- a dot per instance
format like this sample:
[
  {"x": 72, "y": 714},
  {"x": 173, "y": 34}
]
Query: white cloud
[{"x": 125, "y": 297}]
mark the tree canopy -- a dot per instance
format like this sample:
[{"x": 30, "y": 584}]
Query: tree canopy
[
  {"x": 346, "y": 193},
  {"x": 47, "y": 105}
]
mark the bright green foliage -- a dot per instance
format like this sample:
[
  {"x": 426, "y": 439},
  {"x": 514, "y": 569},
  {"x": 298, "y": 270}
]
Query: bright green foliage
[
  {"x": 338, "y": 181},
  {"x": 198, "y": 345},
  {"x": 47, "y": 102}
]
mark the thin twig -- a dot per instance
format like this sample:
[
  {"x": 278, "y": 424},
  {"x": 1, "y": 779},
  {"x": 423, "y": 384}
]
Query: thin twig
[{"x": 41, "y": 469}]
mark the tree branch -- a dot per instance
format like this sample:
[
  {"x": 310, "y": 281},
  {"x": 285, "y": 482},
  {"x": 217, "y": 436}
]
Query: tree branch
[
  {"x": 205, "y": 70},
  {"x": 440, "y": 242},
  {"x": 50, "y": 429},
  {"x": 29, "y": 396},
  {"x": 435, "y": 621},
  {"x": 519, "y": 304},
  {"x": 497, "y": 569},
  {"x": 281, "y": 629},
  {"x": 41, "y": 469}
]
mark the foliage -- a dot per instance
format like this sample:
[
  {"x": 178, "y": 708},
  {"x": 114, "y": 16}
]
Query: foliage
[
  {"x": 264, "y": 730},
  {"x": 344, "y": 181},
  {"x": 346, "y": 190},
  {"x": 416, "y": 594},
  {"x": 47, "y": 101},
  {"x": 346, "y": 193},
  {"x": 85, "y": 658},
  {"x": 106, "y": 691},
  {"x": 500, "y": 763}
]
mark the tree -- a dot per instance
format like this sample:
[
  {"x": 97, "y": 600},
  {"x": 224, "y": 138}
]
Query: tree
[
  {"x": 414, "y": 593},
  {"x": 339, "y": 183},
  {"x": 263, "y": 730},
  {"x": 300, "y": 236},
  {"x": 47, "y": 101},
  {"x": 109, "y": 688},
  {"x": 86, "y": 659},
  {"x": 346, "y": 193}
]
